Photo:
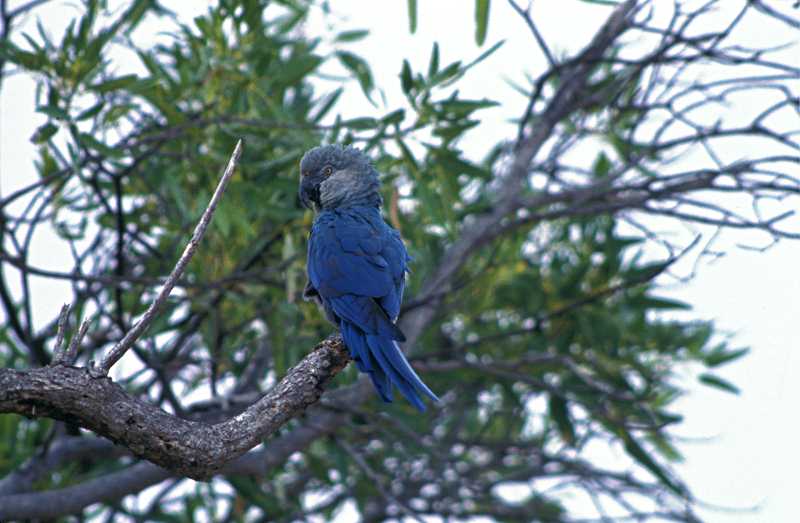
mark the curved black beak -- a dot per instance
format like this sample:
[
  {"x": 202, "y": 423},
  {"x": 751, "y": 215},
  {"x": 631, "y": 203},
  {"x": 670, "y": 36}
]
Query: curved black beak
[{"x": 309, "y": 195}]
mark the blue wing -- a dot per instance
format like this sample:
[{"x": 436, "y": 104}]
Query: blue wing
[{"x": 357, "y": 265}]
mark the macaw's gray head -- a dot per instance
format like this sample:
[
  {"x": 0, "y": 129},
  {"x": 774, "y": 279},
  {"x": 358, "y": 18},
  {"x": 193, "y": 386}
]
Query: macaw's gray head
[{"x": 332, "y": 176}]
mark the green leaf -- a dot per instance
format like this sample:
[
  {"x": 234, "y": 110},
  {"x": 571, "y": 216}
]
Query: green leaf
[
  {"x": 406, "y": 79},
  {"x": 327, "y": 105},
  {"x": 715, "y": 381},
  {"x": 44, "y": 133},
  {"x": 115, "y": 84},
  {"x": 602, "y": 165},
  {"x": 412, "y": 16},
  {"x": 93, "y": 143},
  {"x": 433, "y": 65},
  {"x": 28, "y": 60},
  {"x": 636, "y": 451},
  {"x": 116, "y": 112},
  {"x": 408, "y": 157},
  {"x": 645, "y": 272},
  {"x": 482, "y": 20},
  {"x": 352, "y": 36},
  {"x": 559, "y": 412},
  {"x": 395, "y": 117},
  {"x": 53, "y": 112},
  {"x": 359, "y": 68},
  {"x": 361, "y": 123},
  {"x": 465, "y": 107},
  {"x": 90, "y": 112},
  {"x": 450, "y": 72},
  {"x": 720, "y": 356},
  {"x": 667, "y": 449},
  {"x": 456, "y": 166},
  {"x": 654, "y": 302},
  {"x": 486, "y": 54},
  {"x": 297, "y": 68},
  {"x": 136, "y": 13}
]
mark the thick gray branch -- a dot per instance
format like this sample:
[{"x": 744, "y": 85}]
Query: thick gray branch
[
  {"x": 188, "y": 448},
  {"x": 111, "y": 487}
]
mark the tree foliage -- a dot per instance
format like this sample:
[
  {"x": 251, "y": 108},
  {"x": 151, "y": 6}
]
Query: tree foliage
[{"x": 531, "y": 307}]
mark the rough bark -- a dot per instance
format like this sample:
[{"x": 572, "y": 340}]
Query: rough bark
[{"x": 189, "y": 448}]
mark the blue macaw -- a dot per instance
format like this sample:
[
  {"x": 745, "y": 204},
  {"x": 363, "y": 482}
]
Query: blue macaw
[{"x": 357, "y": 265}]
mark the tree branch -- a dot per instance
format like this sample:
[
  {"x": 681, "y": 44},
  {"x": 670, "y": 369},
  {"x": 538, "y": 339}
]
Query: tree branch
[
  {"x": 111, "y": 487},
  {"x": 189, "y": 448}
]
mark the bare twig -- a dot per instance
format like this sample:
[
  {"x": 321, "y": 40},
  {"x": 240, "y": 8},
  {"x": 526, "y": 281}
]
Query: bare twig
[
  {"x": 138, "y": 329},
  {"x": 72, "y": 351},
  {"x": 526, "y": 15},
  {"x": 58, "y": 350}
]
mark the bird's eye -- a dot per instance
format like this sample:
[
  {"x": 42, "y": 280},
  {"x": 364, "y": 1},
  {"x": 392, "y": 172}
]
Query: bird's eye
[
  {"x": 328, "y": 170},
  {"x": 304, "y": 173}
]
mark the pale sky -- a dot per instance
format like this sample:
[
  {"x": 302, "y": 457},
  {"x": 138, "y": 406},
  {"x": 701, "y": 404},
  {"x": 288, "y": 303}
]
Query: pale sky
[{"x": 741, "y": 450}]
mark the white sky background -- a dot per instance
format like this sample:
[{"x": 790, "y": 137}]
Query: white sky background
[{"x": 741, "y": 451}]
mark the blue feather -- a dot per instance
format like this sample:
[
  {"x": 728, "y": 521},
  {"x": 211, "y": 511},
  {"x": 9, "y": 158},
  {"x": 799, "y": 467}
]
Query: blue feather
[
  {"x": 394, "y": 364},
  {"x": 357, "y": 265},
  {"x": 357, "y": 343}
]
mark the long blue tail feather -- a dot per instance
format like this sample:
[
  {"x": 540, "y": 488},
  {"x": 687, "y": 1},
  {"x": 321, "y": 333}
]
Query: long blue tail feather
[
  {"x": 398, "y": 360},
  {"x": 394, "y": 364},
  {"x": 381, "y": 358},
  {"x": 357, "y": 344}
]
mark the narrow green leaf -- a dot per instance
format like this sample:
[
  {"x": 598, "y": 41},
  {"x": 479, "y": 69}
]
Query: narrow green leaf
[
  {"x": 360, "y": 69},
  {"x": 667, "y": 449},
  {"x": 13, "y": 54},
  {"x": 93, "y": 143},
  {"x": 115, "y": 84},
  {"x": 456, "y": 166},
  {"x": 715, "y": 381},
  {"x": 486, "y": 54},
  {"x": 406, "y": 79},
  {"x": 116, "y": 112},
  {"x": 433, "y": 66},
  {"x": 136, "y": 13},
  {"x": 636, "y": 451},
  {"x": 448, "y": 73},
  {"x": 654, "y": 302},
  {"x": 327, "y": 105},
  {"x": 412, "y": 16},
  {"x": 360, "y": 123},
  {"x": 464, "y": 107},
  {"x": 720, "y": 356},
  {"x": 298, "y": 67},
  {"x": 395, "y": 117},
  {"x": 53, "y": 112},
  {"x": 451, "y": 132},
  {"x": 602, "y": 165},
  {"x": 408, "y": 157},
  {"x": 352, "y": 36},
  {"x": 90, "y": 112},
  {"x": 44, "y": 133},
  {"x": 559, "y": 412},
  {"x": 482, "y": 20}
]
